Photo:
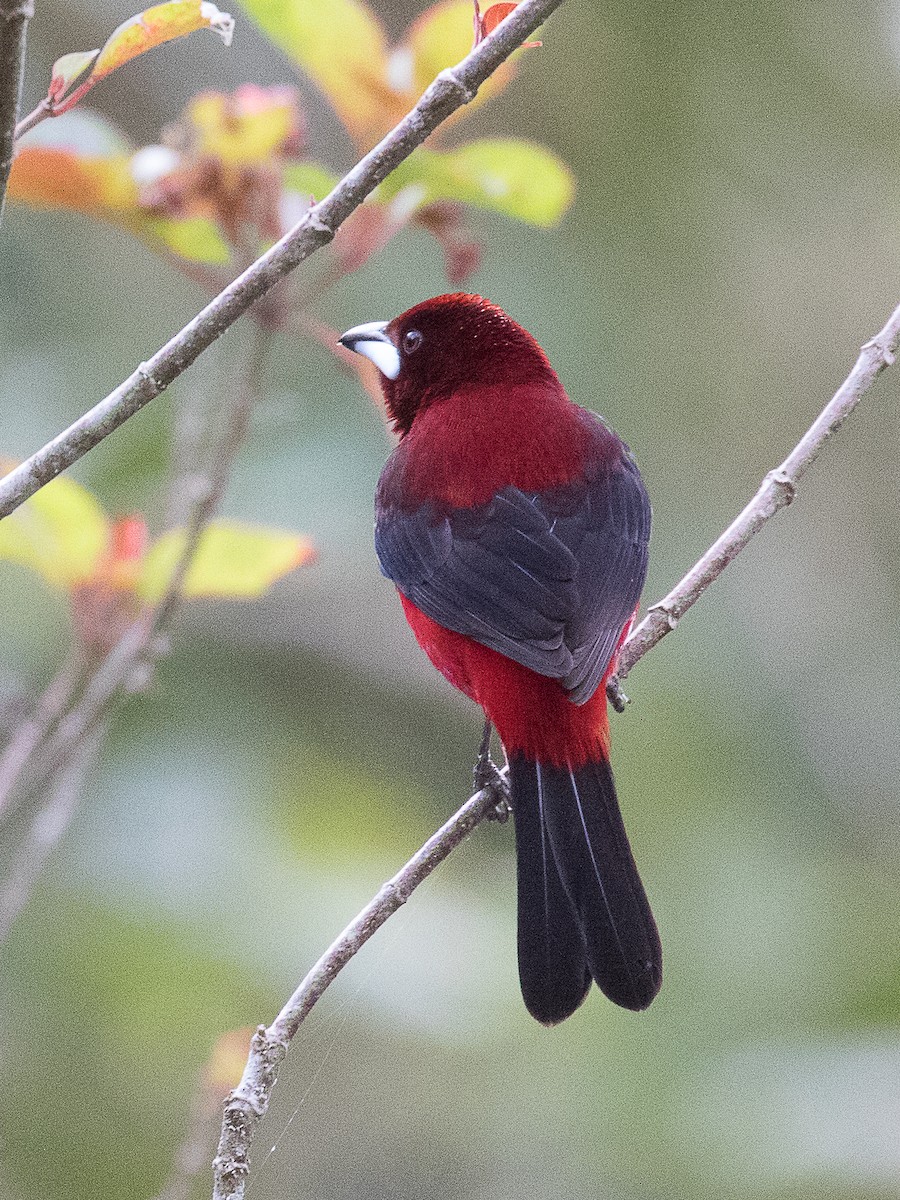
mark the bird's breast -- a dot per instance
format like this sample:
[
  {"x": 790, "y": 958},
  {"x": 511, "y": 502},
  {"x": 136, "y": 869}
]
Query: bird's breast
[{"x": 465, "y": 448}]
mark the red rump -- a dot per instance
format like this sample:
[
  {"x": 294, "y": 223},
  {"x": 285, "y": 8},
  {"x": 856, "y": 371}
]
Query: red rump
[{"x": 530, "y": 712}]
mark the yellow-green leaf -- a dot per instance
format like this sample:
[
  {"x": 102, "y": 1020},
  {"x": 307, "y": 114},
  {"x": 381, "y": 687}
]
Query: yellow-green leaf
[
  {"x": 440, "y": 38},
  {"x": 156, "y": 25},
  {"x": 309, "y": 179},
  {"x": 150, "y": 28},
  {"x": 341, "y": 45},
  {"x": 196, "y": 239},
  {"x": 247, "y": 127},
  {"x": 61, "y": 533},
  {"x": 506, "y": 175},
  {"x": 233, "y": 560}
]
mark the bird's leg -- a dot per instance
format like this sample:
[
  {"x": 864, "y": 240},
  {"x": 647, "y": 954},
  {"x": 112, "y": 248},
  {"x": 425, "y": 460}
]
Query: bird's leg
[{"x": 488, "y": 778}]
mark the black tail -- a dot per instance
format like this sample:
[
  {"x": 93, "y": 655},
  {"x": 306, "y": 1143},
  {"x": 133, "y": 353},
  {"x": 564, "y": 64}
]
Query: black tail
[{"x": 583, "y": 912}]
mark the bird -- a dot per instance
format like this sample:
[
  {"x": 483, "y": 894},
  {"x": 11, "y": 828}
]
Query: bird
[{"x": 515, "y": 526}]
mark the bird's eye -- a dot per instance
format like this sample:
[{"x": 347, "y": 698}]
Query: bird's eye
[{"x": 412, "y": 340}]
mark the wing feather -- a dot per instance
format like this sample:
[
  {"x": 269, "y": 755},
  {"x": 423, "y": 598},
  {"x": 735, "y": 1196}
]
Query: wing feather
[{"x": 548, "y": 579}]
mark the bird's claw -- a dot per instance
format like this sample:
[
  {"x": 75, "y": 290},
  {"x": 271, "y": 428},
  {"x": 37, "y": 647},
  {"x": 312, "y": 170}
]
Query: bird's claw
[
  {"x": 493, "y": 782},
  {"x": 615, "y": 695},
  {"x": 488, "y": 778}
]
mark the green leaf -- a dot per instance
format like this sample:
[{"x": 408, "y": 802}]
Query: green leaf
[
  {"x": 342, "y": 46},
  {"x": 506, "y": 175},
  {"x": 233, "y": 560},
  {"x": 61, "y": 533},
  {"x": 194, "y": 238},
  {"x": 309, "y": 179}
]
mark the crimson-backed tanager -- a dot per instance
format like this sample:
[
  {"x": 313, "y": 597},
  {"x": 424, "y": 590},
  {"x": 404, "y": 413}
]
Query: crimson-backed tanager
[{"x": 515, "y": 526}]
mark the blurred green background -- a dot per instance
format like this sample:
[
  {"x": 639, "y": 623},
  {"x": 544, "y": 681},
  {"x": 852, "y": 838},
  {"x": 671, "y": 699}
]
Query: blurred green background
[{"x": 736, "y": 237}]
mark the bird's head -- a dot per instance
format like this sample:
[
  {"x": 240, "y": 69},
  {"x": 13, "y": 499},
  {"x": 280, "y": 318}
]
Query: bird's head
[{"x": 445, "y": 345}]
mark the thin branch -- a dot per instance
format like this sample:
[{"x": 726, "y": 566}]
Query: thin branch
[
  {"x": 128, "y": 663},
  {"x": 28, "y": 735},
  {"x": 209, "y": 494},
  {"x": 450, "y": 90},
  {"x": 124, "y": 668},
  {"x": 776, "y": 491},
  {"x": 40, "y": 113},
  {"x": 14, "y": 18},
  {"x": 46, "y": 828},
  {"x": 249, "y": 1102}
]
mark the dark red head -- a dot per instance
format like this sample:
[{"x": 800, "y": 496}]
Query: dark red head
[{"x": 442, "y": 346}]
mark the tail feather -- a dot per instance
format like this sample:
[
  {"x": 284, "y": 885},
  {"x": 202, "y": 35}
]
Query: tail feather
[
  {"x": 553, "y": 970},
  {"x": 575, "y": 814}
]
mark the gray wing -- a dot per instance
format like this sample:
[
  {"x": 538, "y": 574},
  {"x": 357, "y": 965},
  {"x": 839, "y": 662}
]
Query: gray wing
[{"x": 548, "y": 579}]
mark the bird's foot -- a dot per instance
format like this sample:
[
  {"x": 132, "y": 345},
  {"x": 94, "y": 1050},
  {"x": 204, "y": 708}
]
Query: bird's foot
[
  {"x": 489, "y": 778},
  {"x": 615, "y": 695}
]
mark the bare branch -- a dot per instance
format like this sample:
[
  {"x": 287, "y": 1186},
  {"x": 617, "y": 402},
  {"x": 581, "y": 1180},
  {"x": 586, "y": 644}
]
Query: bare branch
[
  {"x": 26, "y": 738},
  {"x": 775, "y": 492},
  {"x": 14, "y": 18},
  {"x": 46, "y": 828},
  {"x": 450, "y": 90},
  {"x": 40, "y": 748},
  {"x": 249, "y": 1102},
  {"x": 38, "y": 114},
  {"x": 209, "y": 494}
]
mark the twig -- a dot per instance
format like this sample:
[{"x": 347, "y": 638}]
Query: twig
[
  {"x": 28, "y": 735},
  {"x": 44, "y": 110},
  {"x": 776, "y": 491},
  {"x": 449, "y": 91},
  {"x": 46, "y": 828},
  {"x": 48, "y": 756},
  {"x": 209, "y": 496},
  {"x": 125, "y": 666},
  {"x": 250, "y": 1100},
  {"x": 247, "y": 1104},
  {"x": 14, "y": 18}
]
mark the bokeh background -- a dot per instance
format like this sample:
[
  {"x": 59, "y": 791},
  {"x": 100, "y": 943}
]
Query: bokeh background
[{"x": 736, "y": 237}]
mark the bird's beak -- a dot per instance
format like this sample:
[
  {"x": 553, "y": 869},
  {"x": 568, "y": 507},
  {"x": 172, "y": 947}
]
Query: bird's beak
[{"x": 372, "y": 342}]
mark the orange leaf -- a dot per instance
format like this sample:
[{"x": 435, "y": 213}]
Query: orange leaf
[{"x": 50, "y": 177}]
